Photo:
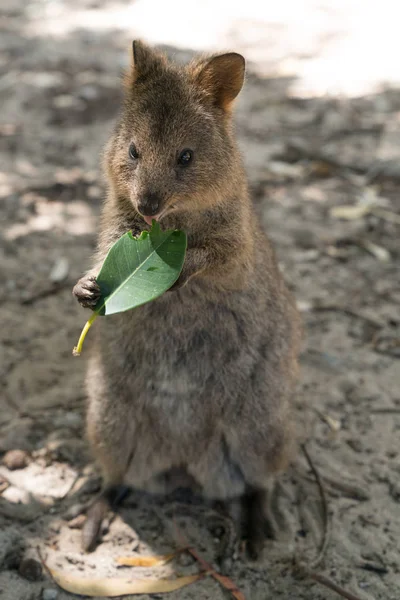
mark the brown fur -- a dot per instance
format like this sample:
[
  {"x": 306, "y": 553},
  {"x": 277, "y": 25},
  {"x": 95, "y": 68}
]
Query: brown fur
[{"x": 199, "y": 380}]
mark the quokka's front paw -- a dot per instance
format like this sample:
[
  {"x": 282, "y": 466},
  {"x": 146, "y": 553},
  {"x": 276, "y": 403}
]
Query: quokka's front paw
[{"x": 87, "y": 292}]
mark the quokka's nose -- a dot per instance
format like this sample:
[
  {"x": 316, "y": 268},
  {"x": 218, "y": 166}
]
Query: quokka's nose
[{"x": 149, "y": 205}]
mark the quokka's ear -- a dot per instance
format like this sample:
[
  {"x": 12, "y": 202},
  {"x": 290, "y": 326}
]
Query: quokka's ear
[
  {"x": 221, "y": 77},
  {"x": 145, "y": 63}
]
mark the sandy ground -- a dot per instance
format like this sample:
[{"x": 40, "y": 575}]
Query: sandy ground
[{"x": 306, "y": 156}]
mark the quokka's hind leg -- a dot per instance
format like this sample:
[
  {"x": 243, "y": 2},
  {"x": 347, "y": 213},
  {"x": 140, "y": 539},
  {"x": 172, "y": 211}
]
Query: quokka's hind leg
[
  {"x": 109, "y": 499},
  {"x": 257, "y": 524},
  {"x": 245, "y": 519},
  {"x": 265, "y": 452}
]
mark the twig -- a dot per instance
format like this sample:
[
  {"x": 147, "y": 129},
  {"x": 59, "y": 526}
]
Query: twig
[
  {"x": 374, "y": 568},
  {"x": 44, "y": 565},
  {"x": 381, "y": 169},
  {"x": 331, "y": 585},
  {"x": 351, "y": 490},
  {"x": 385, "y": 345},
  {"x": 299, "y": 152},
  {"x": 71, "y": 487},
  {"x": 325, "y": 515},
  {"x": 307, "y": 570},
  {"x": 386, "y": 215},
  {"x": 385, "y": 411},
  {"x": 55, "y": 288},
  {"x": 225, "y": 581},
  {"x": 346, "y": 311}
]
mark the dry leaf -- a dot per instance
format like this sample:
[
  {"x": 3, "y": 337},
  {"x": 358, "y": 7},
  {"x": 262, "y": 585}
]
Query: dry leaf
[
  {"x": 333, "y": 424},
  {"x": 378, "y": 251},
  {"x": 336, "y": 252},
  {"x": 146, "y": 561},
  {"x": 118, "y": 586},
  {"x": 285, "y": 170},
  {"x": 349, "y": 212},
  {"x": 386, "y": 215},
  {"x": 225, "y": 581},
  {"x": 369, "y": 203}
]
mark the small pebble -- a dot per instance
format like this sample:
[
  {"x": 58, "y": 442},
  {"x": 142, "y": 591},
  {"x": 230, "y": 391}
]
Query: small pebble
[
  {"x": 77, "y": 522},
  {"x": 60, "y": 269},
  {"x": 30, "y": 569},
  {"x": 50, "y": 594},
  {"x": 15, "y": 459},
  {"x": 68, "y": 102},
  {"x": 89, "y": 92}
]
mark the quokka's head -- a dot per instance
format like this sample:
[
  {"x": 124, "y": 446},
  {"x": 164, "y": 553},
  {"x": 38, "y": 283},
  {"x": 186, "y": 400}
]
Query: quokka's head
[{"x": 173, "y": 148}]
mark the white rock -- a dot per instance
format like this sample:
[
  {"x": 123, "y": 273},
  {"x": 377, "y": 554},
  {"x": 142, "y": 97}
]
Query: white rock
[
  {"x": 50, "y": 594},
  {"x": 60, "y": 269}
]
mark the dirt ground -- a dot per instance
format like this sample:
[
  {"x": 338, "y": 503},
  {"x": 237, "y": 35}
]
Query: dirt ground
[{"x": 305, "y": 157}]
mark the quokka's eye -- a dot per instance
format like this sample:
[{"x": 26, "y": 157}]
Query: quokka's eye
[
  {"x": 185, "y": 157},
  {"x": 133, "y": 153}
]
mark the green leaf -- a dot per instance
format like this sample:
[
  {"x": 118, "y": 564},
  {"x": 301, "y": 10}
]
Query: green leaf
[{"x": 136, "y": 271}]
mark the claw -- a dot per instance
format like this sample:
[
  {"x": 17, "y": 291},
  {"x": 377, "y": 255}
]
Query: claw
[
  {"x": 109, "y": 499},
  {"x": 87, "y": 292}
]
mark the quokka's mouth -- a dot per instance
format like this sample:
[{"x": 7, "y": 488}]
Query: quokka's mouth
[
  {"x": 158, "y": 217},
  {"x": 149, "y": 220}
]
